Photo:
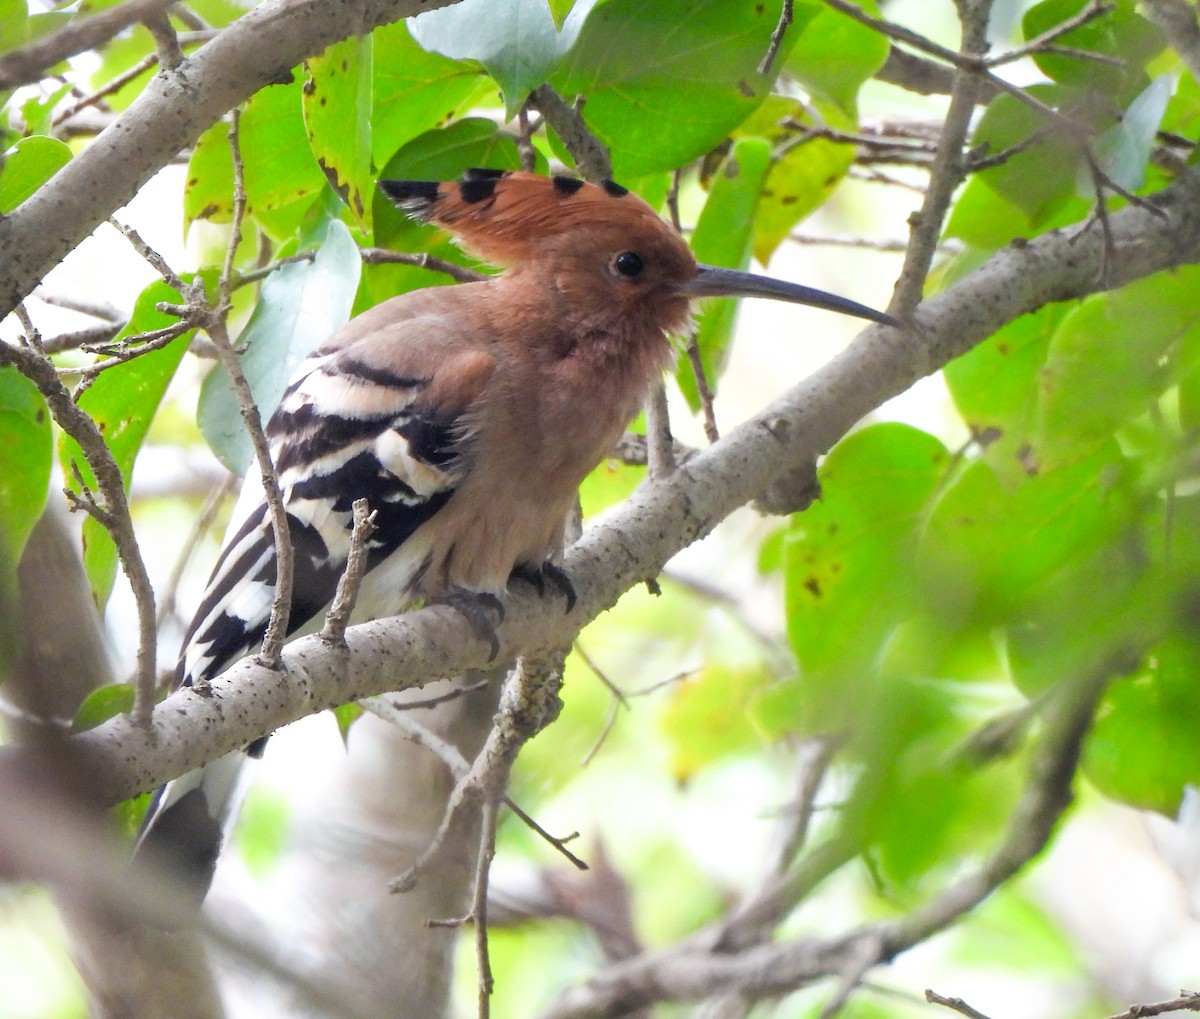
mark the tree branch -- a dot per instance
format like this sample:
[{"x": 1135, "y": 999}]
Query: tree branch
[
  {"x": 171, "y": 114},
  {"x": 662, "y": 516}
]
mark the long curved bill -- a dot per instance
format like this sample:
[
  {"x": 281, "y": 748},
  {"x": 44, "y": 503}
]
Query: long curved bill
[{"x": 711, "y": 281}]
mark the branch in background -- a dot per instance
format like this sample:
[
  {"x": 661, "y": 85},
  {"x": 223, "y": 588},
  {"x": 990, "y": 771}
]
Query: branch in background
[
  {"x": 946, "y": 172},
  {"x": 29, "y": 63},
  {"x": 458, "y": 273},
  {"x": 589, "y": 153},
  {"x": 693, "y": 970},
  {"x": 785, "y": 19},
  {"x": 1178, "y": 20}
]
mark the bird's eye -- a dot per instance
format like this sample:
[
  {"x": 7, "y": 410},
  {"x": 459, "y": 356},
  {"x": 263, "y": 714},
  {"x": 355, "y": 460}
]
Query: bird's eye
[{"x": 628, "y": 264}]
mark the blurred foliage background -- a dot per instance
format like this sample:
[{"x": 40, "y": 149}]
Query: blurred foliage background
[{"x": 1027, "y": 521}]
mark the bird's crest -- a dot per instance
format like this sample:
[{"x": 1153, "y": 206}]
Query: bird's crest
[{"x": 502, "y": 215}]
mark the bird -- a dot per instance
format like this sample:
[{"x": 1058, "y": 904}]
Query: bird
[{"x": 467, "y": 416}]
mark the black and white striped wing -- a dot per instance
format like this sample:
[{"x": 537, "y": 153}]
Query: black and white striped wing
[{"x": 346, "y": 429}]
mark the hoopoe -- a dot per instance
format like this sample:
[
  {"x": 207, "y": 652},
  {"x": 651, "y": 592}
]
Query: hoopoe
[{"x": 467, "y": 416}]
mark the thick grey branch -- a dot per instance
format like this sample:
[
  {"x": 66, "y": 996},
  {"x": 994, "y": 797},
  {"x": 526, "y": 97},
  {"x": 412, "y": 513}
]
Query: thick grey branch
[
  {"x": 171, "y": 113},
  {"x": 661, "y": 517}
]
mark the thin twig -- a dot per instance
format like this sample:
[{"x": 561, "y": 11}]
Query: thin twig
[
  {"x": 590, "y": 154},
  {"x": 423, "y": 703},
  {"x": 703, "y": 390},
  {"x": 945, "y": 175},
  {"x": 200, "y": 527},
  {"x": 32, "y": 363},
  {"x": 1188, "y": 1001},
  {"x": 1039, "y": 43},
  {"x": 338, "y": 616},
  {"x": 458, "y": 273},
  {"x": 957, "y": 1004},
  {"x": 96, "y": 309},
  {"x": 483, "y": 866},
  {"x": 399, "y": 715},
  {"x": 150, "y": 255},
  {"x": 785, "y": 19},
  {"x": 281, "y": 605},
  {"x": 133, "y": 348}
]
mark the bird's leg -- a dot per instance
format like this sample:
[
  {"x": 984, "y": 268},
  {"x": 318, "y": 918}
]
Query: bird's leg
[
  {"x": 538, "y": 576},
  {"x": 478, "y": 610}
]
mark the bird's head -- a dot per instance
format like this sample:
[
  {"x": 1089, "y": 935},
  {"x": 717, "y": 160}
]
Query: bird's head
[{"x": 594, "y": 243}]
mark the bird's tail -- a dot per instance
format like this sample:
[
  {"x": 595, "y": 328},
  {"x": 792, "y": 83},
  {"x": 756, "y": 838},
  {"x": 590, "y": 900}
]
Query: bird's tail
[{"x": 187, "y": 822}]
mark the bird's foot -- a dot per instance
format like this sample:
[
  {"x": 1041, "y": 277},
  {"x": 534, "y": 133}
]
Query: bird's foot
[
  {"x": 483, "y": 612},
  {"x": 538, "y": 577}
]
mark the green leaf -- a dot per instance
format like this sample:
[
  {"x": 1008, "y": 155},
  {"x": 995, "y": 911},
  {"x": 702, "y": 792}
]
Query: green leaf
[
  {"x": 667, "y": 82},
  {"x": 444, "y": 154},
  {"x": 1122, "y": 35},
  {"x": 26, "y": 456},
  {"x": 300, "y": 306},
  {"x": 1040, "y": 177},
  {"x": 27, "y": 166},
  {"x": 1142, "y": 749},
  {"x": 123, "y": 401},
  {"x": 559, "y": 9},
  {"x": 849, "y": 563},
  {"x": 337, "y": 103},
  {"x": 415, "y": 91},
  {"x": 834, "y": 54},
  {"x": 516, "y": 40},
  {"x": 103, "y": 703},
  {"x": 280, "y": 169},
  {"x": 38, "y": 110},
  {"x": 801, "y": 179},
  {"x": 706, "y": 718},
  {"x": 1111, "y": 357},
  {"x": 1123, "y": 151},
  {"x": 995, "y": 388},
  {"x": 346, "y": 715},
  {"x": 262, "y": 830},
  {"x": 208, "y": 190},
  {"x": 723, "y": 237},
  {"x": 14, "y": 24},
  {"x": 989, "y": 549}
]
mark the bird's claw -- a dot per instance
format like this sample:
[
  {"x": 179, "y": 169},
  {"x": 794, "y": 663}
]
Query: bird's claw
[
  {"x": 478, "y": 610},
  {"x": 547, "y": 573}
]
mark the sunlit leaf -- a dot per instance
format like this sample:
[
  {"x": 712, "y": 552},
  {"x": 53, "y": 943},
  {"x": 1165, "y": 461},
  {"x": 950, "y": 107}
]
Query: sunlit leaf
[
  {"x": 123, "y": 401},
  {"x": 415, "y": 91},
  {"x": 833, "y": 55},
  {"x": 1111, "y": 357},
  {"x": 103, "y": 703},
  {"x": 666, "y": 82},
  {"x": 27, "y": 166},
  {"x": 337, "y": 103},
  {"x": 280, "y": 169},
  {"x": 850, "y": 563},
  {"x": 723, "y": 236},
  {"x": 26, "y": 456},
  {"x": 801, "y": 177}
]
